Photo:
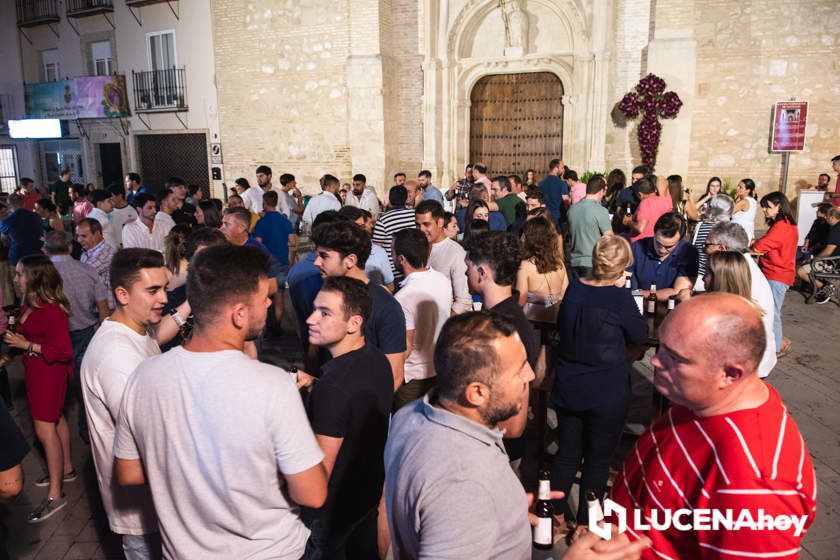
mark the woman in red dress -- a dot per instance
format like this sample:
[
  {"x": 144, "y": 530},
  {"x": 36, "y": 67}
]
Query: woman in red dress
[{"x": 44, "y": 337}]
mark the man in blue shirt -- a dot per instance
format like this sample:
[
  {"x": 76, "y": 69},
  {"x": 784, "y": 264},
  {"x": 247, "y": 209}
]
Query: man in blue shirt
[
  {"x": 275, "y": 231},
  {"x": 555, "y": 191},
  {"x": 430, "y": 192},
  {"x": 22, "y": 228},
  {"x": 666, "y": 259}
]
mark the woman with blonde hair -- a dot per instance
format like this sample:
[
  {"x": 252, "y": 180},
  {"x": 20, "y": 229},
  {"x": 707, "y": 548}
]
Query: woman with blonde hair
[
  {"x": 728, "y": 271},
  {"x": 44, "y": 337},
  {"x": 542, "y": 278},
  {"x": 596, "y": 322}
]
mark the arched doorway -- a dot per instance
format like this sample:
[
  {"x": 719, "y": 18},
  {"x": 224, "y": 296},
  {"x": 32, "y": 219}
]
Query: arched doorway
[{"x": 516, "y": 122}]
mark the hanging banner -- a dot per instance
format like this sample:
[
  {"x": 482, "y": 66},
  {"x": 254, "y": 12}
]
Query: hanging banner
[
  {"x": 88, "y": 97},
  {"x": 789, "y": 119}
]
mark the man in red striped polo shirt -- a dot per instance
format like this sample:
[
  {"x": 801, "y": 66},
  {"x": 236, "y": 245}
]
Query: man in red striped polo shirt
[{"x": 727, "y": 446}]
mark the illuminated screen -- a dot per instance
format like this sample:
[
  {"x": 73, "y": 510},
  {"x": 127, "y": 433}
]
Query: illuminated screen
[{"x": 35, "y": 128}]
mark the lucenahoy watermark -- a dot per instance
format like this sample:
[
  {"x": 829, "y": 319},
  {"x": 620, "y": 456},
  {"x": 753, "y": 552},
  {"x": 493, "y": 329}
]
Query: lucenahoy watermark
[{"x": 691, "y": 520}]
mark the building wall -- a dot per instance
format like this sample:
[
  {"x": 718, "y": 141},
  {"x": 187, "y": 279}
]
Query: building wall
[
  {"x": 281, "y": 70},
  {"x": 194, "y": 51},
  {"x": 750, "y": 55}
]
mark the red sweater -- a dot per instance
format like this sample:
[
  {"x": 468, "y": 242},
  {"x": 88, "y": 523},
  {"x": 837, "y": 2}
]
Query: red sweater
[{"x": 779, "y": 247}]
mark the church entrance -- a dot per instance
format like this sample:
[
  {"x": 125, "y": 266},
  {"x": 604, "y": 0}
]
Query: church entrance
[{"x": 516, "y": 122}]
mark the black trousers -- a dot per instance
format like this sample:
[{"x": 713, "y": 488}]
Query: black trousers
[{"x": 590, "y": 436}]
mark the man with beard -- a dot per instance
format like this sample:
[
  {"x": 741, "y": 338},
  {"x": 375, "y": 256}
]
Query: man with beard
[
  {"x": 123, "y": 341},
  {"x": 449, "y": 489},
  {"x": 222, "y": 440}
]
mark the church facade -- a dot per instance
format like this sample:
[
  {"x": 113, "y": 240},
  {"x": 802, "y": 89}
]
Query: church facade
[{"x": 379, "y": 86}]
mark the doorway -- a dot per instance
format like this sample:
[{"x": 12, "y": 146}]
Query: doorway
[
  {"x": 110, "y": 163},
  {"x": 516, "y": 122}
]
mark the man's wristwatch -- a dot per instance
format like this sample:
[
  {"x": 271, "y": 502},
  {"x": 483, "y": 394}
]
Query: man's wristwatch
[{"x": 177, "y": 318}]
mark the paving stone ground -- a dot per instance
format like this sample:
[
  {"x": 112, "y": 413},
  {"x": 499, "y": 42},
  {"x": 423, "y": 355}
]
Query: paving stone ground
[{"x": 808, "y": 380}]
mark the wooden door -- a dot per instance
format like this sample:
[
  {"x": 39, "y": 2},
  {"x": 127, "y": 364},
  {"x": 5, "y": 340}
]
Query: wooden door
[{"x": 516, "y": 122}]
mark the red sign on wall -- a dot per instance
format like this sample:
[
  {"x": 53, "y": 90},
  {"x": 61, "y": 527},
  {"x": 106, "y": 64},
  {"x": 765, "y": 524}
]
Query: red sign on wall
[{"x": 789, "y": 119}]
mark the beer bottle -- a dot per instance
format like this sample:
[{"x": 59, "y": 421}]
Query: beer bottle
[
  {"x": 11, "y": 324},
  {"x": 593, "y": 507},
  {"x": 627, "y": 283},
  {"x": 672, "y": 303},
  {"x": 544, "y": 530},
  {"x": 651, "y": 300}
]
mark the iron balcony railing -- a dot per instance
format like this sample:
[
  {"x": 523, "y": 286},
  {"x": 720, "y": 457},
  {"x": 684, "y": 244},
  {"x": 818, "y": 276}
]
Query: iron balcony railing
[
  {"x": 36, "y": 12},
  {"x": 81, "y": 8},
  {"x": 160, "y": 90}
]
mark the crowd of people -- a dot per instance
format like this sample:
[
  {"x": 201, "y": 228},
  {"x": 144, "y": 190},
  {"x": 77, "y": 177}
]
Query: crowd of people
[{"x": 422, "y": 321}]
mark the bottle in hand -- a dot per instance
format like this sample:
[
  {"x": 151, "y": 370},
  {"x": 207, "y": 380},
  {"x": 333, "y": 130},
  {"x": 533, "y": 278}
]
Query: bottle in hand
[
  {"x": 650, "y": 306},
  {"x": 593, "y": 507},
  {"x": 544, "y": 530}
]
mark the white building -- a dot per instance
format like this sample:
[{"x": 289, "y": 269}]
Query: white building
[{"x": 154, "y": 58}]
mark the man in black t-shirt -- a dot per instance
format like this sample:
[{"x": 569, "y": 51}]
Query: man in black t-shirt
[
  {"x": 348, "y": 408},
  {"x": 342, "y": 249},
  {"x": 493, "y": 259},
  {"x": 13, "y": 448}
]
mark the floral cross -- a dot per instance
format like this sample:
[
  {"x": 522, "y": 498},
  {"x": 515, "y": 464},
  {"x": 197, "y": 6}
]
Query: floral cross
[{"x": 650, "y": 98}]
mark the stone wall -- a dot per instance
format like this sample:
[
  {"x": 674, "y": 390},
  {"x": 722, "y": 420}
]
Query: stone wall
[
  {"x": 283, "y": 98},
  {"x": 750, "y": 55}
]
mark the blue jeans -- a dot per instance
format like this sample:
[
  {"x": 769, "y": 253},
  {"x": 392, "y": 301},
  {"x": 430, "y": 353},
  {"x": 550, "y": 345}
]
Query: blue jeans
[
  {"x": 142, "y": 547},
  {"x": 779, "y": 290}
]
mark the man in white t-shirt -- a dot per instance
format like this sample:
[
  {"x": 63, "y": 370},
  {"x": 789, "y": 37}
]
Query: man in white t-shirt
[
  {"x": 327, "y": 200},
  {"x": 222, "y": 440},
  {"x": 101, "y": 212},
  {"x": 362, "y": 196},
  {"x": 122, "y": 212},
  {"x": 426, "y": 300},
  {"x": 123, "y": 341},
  {"x": 168, "y": 203},
  {"x": 729, "y": 236},
  {"x": 447, "y": 256}
]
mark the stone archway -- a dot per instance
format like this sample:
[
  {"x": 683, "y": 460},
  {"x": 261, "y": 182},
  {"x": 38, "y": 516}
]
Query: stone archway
[{"x": 516, "y": 122}]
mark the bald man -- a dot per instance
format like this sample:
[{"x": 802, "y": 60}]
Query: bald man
[{"x": 726, "y": 445}]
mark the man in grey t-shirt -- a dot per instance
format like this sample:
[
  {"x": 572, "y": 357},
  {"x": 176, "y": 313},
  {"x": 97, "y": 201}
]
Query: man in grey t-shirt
[
  {"x": 216, "y": 435},
  {"x": 449, "y": 490}
]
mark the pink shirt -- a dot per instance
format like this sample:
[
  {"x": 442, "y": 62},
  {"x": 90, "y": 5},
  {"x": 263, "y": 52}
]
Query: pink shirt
[
  {"x": 81, "y": 210},
  {"x": 650, "y": 209},
  {"x": 578, "y": 192}
]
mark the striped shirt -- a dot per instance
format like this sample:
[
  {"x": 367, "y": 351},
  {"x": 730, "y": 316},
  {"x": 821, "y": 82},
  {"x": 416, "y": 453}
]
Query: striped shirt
[
  {"x": 753, "y": 459},
  {"x": 100, "y": 258},
  {"x": 387, "y": 225}
]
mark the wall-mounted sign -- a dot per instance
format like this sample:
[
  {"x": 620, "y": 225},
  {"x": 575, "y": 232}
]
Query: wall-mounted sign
[
  {"x": 216, "y": 154},
  {"x": 35, "y": 128},
  {"x": 88, "y": 97},
  {"x": 789, "y": 120}
]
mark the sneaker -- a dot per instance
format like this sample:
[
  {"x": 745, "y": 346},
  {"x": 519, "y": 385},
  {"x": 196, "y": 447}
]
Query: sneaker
[
  {"x": 47, "y": 508},
  {"x": 822, "y": 296},
  {"x": 44, "y": 481}
]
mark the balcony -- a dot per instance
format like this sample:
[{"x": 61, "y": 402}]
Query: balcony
[
  {"x": 160, "y": 91},
  {"x": 36, "y": 12},
  {"x": 138, "y": 3},
  {"x": 84, "y": 8}
]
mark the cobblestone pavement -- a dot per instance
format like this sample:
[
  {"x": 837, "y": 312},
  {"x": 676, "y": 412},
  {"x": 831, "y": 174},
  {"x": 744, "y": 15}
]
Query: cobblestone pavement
[{"x": 807, "y": 380}]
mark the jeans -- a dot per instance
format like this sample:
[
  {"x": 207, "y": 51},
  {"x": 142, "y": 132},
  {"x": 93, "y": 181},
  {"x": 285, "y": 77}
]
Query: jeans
[
  {"x": 779, "y": 290},
  {"x": 591, "y": 435},
  {"x": 80, "y": 340},
  {"x": 142, "y": 547}
]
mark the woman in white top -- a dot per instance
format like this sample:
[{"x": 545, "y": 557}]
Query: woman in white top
[{"x": 745, "y": 207}]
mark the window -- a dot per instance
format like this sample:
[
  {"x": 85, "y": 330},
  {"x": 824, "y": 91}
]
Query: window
[
  {"x": 8, "y": 169},
  {"x": 161, "y": 50},
  {"x": 103, "y": 64},
  {"x": 49, "y": 58}
]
